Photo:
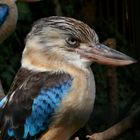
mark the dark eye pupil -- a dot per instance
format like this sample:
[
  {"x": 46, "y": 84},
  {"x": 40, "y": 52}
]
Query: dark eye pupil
[{"x": 73, "y": 42}]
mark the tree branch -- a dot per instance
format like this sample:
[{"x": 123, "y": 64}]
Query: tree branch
[
  {"x": 1, "y": 91},
  {"x": 127, "y": 123},
  {"x": 58, "y": 10},
  {"x": 112, "y": 84},
  {"x": 113, "y": 131},
  {"x": 119, "y": 128}
]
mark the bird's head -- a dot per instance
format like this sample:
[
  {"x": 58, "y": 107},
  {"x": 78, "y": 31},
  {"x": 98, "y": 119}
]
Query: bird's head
[{"x": 57, "y": 41}]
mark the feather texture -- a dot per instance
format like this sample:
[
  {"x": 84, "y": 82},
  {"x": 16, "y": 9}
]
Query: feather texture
[
  {"x": 30, "y": 108},
  {"x": 3, "y": 101},
  {"x": 4, "y": 11}
]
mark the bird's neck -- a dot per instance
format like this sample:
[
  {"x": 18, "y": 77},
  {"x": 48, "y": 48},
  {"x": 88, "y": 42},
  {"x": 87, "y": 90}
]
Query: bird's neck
[{"x": 40, "y": 62}]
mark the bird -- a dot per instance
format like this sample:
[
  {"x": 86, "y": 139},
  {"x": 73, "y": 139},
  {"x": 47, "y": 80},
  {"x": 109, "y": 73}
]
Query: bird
[
  {"x": 53, "y": 92},
  {"x": 8, "y": 17}
]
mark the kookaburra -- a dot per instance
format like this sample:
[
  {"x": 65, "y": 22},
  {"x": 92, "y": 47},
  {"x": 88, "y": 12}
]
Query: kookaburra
[
  {"x": 8, "y": 17},
  {"x": 52, "y": 95}
]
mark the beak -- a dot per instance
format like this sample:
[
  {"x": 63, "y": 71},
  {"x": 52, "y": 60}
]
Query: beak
[{"x": 104, "y": 55}]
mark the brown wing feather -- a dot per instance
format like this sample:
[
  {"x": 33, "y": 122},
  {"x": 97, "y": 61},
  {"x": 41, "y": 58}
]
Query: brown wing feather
[{"x": 21, "y": 75}]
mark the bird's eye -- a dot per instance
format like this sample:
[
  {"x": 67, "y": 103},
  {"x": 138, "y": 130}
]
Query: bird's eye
[{"x": 73, "y": 42}]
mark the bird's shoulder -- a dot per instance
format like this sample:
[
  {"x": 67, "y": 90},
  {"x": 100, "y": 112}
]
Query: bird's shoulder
[
  {"x": 30, "y": 84},
  {"x": 20, "y": 77},
  {"x": 33, "y": 98}
]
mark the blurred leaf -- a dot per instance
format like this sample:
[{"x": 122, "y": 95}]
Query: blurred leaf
[{"x": 24, "y": 11}]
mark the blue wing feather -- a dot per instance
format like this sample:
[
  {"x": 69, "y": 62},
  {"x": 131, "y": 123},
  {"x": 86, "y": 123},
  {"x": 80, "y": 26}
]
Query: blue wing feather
[
  {"x": 4, "y": 11},
  {"x": 28, "y": 111},
  {"x": 2, "y": 102},
  {"x": 43, "y": 107}
]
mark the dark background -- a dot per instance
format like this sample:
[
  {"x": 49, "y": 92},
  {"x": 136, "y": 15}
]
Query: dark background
[{"x": 117, "y": 19}]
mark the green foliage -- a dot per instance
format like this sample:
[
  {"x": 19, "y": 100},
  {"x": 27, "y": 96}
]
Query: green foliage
[
  {"x": 8, "y": 62},
  {"x": 24, "y": 11},
  {"x": 11, "y": 49}
]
